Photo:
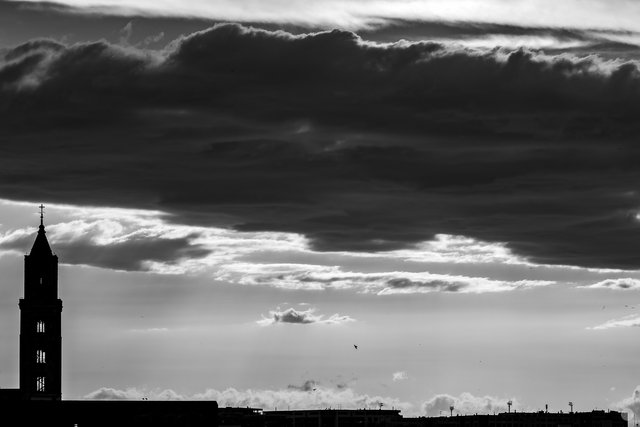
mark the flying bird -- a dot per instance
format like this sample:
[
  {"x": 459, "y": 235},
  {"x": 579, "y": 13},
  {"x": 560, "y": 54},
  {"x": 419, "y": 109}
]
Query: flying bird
[{"x": 355, "y": 346}]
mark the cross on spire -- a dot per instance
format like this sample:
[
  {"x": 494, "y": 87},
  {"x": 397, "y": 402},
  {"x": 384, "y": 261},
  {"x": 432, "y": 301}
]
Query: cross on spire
[{"x": 41, "y": 214}]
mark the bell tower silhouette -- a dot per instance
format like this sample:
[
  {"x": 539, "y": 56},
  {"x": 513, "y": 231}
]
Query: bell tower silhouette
[{"x": 40, "y": 323}]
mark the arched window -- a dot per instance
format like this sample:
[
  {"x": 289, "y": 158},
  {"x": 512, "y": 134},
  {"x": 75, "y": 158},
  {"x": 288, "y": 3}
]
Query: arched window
[
  {"x": 40, "y": 326},
  {"x": 40, "y": 356},
  {"x": 39, "y": 383}
]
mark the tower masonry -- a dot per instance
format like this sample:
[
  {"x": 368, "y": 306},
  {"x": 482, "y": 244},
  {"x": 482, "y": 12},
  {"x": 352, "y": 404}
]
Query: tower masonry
[{"x": 40, "y": 323}]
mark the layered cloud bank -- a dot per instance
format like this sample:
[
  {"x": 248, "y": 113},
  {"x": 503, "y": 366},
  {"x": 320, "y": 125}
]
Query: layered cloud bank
[
  {"x": 309, "y": 395},
  {"x": 135, "y": 240},
  {"x": 357, "y": 146},
  {"x": 292, "y": 276},
  {"x": 313, "y": 395}
]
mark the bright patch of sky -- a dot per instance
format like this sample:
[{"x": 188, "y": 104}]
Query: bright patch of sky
[
  {"x": 261, "y": 311},
  {"x": 358, "y": 14}
]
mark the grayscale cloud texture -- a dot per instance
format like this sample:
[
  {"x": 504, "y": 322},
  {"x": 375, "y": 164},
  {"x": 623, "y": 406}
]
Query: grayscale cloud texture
[{"x": 354, "y": 144}]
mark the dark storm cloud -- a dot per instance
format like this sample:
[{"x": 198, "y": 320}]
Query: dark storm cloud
[
  {"x": 356, "y": 145},
  {"x": 129, "y": 255}
]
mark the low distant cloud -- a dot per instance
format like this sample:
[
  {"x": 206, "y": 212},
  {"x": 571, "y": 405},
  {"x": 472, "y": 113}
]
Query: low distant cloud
[
  {"x": 309, "y": 395},
  {"x": 466, "y": 404},
  {"x": 625, "y": 322},
  {"x": 400, "y": 376},
  {"x": 620, "y": 284},
  {"x": 631, "y": 403},
  {"x": 132, "y": 393},
  {"x": 302, "y": 317}
]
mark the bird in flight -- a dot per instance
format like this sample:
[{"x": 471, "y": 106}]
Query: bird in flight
[{"x": 355, "y": 346}]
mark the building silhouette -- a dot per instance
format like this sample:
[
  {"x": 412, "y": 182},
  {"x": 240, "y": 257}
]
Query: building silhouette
[
  {"x": 334, "y": 418},
  {"x": 40, "y": 323},
  {"x": 39, "y": 401}
]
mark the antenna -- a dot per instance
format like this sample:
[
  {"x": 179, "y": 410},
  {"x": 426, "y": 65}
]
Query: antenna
[
  {"x": 451, "y": 409},
  {"x": 571, "y": 406},
  {"x": 546, "y": 408},
  {"x": 509, "y": 403}
]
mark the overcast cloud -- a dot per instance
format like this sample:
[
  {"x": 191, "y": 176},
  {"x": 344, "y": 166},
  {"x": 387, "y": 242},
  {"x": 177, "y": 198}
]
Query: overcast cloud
[{"x": 357, "y": 146}]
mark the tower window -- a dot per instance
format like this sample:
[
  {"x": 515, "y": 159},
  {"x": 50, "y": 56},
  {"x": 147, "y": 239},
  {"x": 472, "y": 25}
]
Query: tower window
[
  {"x": 40, "y": 326},
  {"x": 40, "y": 356},
  {"x": 39, "y": 383},
  {"x": 41, "y": 280}
]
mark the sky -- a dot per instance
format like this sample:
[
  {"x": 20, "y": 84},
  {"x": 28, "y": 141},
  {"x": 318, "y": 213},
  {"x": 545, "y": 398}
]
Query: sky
[{"x": 284, "y": 204}]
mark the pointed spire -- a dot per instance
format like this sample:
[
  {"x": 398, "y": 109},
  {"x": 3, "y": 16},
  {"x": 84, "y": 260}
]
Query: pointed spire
[{"x": 41, "y": 245}]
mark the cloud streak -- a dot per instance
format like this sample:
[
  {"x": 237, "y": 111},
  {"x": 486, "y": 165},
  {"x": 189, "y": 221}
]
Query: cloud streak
[
  {"x": 619, "y": 284},
  {"x": 314, "y": 277},
  {"x": 625, "y": 322}
]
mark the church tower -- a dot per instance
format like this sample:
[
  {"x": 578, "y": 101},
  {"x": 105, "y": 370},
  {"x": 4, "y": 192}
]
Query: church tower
[{"x": 40, "y": 323}]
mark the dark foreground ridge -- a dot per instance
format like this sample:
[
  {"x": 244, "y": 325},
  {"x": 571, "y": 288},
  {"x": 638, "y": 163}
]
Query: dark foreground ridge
[{"x": 39, "y": 402}]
